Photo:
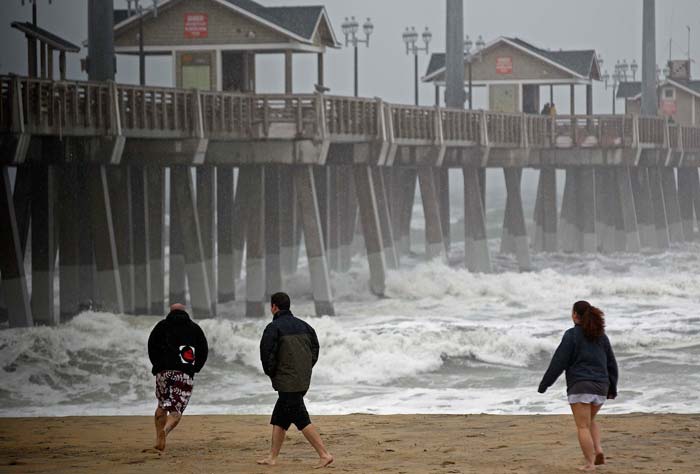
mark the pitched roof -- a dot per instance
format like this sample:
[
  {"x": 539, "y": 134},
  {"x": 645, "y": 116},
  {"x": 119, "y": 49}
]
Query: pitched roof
[
  {"x": 629, "y": 90},
  {"x": 633, "y": 90},
  {"x": 300, "y": 21},
  {"x": 578, "y": 62},
  {"x": 56, "y": 42}
]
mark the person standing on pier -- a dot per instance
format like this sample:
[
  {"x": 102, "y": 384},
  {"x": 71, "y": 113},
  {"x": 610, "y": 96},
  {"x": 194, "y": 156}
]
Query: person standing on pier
[
  {"x": 178, "y": 350},
  {"x": 587, "y": 357},
  {"x": 289, "y": 350}
]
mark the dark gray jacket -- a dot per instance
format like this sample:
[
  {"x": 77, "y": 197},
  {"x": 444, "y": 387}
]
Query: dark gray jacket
[
  {"x": 288, "y": 352},
  {"x": 583, "y": 359}
]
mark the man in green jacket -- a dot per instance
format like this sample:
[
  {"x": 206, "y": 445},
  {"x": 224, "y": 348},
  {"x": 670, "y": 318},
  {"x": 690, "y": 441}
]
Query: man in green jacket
[{"x": 288, "y": 352}]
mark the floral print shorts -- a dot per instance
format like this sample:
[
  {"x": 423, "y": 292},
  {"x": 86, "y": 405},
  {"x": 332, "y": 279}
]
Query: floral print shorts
[{"x": 173, "y": 390}]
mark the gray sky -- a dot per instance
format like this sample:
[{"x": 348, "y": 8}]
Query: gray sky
[{"x": 613, "y": 28}]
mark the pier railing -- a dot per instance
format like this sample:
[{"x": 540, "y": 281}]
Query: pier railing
[{"x": 81, "y": 108}]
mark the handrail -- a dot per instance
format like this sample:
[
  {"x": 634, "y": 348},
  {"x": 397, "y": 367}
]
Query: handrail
[{"x": 85, "y": 108}]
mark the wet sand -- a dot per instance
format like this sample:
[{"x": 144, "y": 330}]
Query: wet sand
[{"x": 411, "y": 444}]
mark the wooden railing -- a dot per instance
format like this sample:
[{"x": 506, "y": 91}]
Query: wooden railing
[{"x": 73, "y": 108}]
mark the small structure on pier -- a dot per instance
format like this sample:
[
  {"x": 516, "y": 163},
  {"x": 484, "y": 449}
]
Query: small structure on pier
[
  {"x": 48, "y": 44},
  {"x": 513, "y": 71},
  {"x": 213, "y": 43},
  {"x": 678, "y": 95}
]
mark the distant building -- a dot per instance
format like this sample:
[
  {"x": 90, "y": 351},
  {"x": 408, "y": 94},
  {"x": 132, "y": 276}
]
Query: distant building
[
  {"x": 213, "y": 43},
  {"x": 513, "y": 71},
  {"x": 678, "y": 95}
]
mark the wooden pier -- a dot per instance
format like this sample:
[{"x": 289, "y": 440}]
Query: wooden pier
[{"x": 92, "y": 161}]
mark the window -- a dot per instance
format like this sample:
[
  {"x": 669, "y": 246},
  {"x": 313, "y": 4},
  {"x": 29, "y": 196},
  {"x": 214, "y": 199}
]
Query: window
[{"x": 669, "y": 93}]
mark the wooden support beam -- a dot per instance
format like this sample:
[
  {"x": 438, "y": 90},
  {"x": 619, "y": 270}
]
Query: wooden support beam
[
  {"x": 333, "y": 226},
  {"x": 69, "y": 238},
  {"x": 442, "y": 185},
  {"x": 206, "y": 209},
  {"x": 86, "y": 240},
  {"x": 641, "y": 192},
  {"x": 122, "y": 210},
  {"x": 109, "y": 294},
  {"x": 141, "y": 248},
  {"x": 240, "y": 221},
  {"x": 380, "y": 191},
  {"x": 177, "y": 277},
  {"x": 288, "y": 210},
  {"x": 225, "y": 234},
  {"x": 685, "y": 201},
  {"x": 371, "y": 228},
  {"x": 273, "y": 264},
  {"x": 22, "y": 201},
  {"x": 434, "y": 243},
  {"x": 516, "y": 218},
  {"x": 156, "y": 233},
  {"x": 313, "y": 239},
  {"x": 346, "y": 216},
  {"x": 195, "y": 258},
  {"x": 663, "y": 239},
  {"x": 476, "y": 252},
  {"x": 673, "y": 212},
  {"x": 288, "y": 72},
  {"x": 568, "y": 225},
  {"x": 623, "y": 183},
  {"x": 407, "y": 184},
  {"x": 14, "y": 282},
  {"x": 586, "y": 212},
  {"x": 43, "y": 244},
  {"x": 255, "y": 242}
]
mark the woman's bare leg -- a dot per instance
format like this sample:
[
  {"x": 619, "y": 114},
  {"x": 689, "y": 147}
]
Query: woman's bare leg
[
  {"x": 582, "y": 417},
  {"x": 595, "y": 434},
  {"x": 278, "y": 434}
]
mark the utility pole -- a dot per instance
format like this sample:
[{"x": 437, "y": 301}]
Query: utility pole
[
  {"x": 649, "y": 97},
  {"x": 101, "y": 60},
  {"x": 454, "y": 55}
]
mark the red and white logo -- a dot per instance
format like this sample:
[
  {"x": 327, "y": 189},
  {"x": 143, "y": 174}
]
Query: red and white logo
[{"x": 187, "y": 355}]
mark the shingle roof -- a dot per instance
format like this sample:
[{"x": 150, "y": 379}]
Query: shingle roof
[
  {"x": 580, "y": 62},
  {"x": 299, "y": 20},
  {"x": 628, "y": 90},
  {"x": 56, "y": 42}
]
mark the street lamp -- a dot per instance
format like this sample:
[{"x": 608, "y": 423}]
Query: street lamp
[
  {"x": 138, "y": 10},
  {"x": 410, "y": 39},
  {"x": 619, "y": 75},
  {"x": 350, "y": 29},
  {"x": 470, "y": 57}
]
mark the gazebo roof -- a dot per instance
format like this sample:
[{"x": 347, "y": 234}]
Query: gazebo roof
[
  {"x": 581, "y": 64},
  {"x": 298, "y": 22}
]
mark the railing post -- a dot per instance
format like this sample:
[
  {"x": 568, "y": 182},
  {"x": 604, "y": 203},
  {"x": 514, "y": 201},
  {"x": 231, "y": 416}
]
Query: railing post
[
  {"x": 439, "y": 137},
  {"x": 524, "y": 139},
  {"x": 484, "y": 131},
  {"x": 18, "y": 125}
]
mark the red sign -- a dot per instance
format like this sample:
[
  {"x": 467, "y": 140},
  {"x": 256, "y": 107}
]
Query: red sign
[
  {"x": 196, "y": 25},
  {"x": 504, "y": 65},
  {"x": 669, "y": 107}
]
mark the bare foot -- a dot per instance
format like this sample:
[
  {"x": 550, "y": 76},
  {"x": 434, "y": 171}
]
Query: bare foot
[
  {"x": 324, "y": 462},
  {"x": 160, "y": 441},
  {"x": 587, "y": 468},
  {"x": 599, "y": 459},
  {"x": 267, "y": 462}
]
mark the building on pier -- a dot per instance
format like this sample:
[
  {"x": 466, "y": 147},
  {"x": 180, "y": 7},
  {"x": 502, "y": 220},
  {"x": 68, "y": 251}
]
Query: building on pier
[
  {"x": 678, "y": 95},
  {"x": 45, "y": 43},
  {"x": 513, "y": 71},
  {"x": 213, "y": 43}
]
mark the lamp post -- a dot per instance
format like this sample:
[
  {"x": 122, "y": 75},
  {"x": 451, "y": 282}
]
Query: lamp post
[
  {"x": 138, "y": 9},
  {"x": 470, "y": 58},
  {"x": 619, "y": 75},
  {"x": 350, "y": 29},
  {"x": 410, "y": 39}
]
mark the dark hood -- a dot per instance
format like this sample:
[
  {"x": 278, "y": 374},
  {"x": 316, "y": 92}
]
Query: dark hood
[{"x": 178, "y": 317}]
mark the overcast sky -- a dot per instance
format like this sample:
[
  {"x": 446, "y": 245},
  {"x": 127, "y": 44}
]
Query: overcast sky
[{"x": 613, "y": 28}]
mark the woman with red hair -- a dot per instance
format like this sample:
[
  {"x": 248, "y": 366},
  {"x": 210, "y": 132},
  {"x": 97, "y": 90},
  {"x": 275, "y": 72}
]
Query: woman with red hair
[{"x": 585, "y": 354}]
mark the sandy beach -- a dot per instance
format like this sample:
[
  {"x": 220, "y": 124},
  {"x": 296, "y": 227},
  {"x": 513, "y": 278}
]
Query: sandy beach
[{"x": 360, "y": 443}]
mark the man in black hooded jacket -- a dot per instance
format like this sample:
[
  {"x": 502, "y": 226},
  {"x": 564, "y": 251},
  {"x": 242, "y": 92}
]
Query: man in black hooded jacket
[
  {"x": 288, "y": 352},
  {"x": 178, "y": 349}
]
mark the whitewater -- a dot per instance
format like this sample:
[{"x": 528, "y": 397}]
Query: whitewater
[{"x": 443, "y": 340}]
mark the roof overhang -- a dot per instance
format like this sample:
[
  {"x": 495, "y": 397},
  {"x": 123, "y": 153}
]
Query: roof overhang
[
  {"x": 245, "y": 13},
  {"x": 46, "y": 37},
  {"x": 503, "y": 39}
]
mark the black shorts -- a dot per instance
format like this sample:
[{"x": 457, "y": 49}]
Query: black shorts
[{"x": 290, "y": 409}]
